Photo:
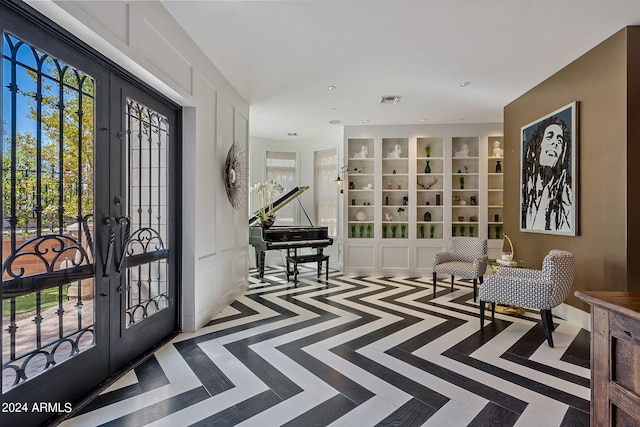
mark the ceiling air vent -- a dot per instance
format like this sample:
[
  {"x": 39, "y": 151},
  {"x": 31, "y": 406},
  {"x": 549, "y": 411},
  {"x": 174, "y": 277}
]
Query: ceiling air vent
[{"x": 389, "y": 100}]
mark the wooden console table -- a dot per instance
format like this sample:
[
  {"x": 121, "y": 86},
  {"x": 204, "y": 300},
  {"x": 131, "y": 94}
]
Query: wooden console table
[{"x": 615, "y": 357}]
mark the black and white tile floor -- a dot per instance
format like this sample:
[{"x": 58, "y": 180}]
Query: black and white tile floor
[{"x": 358, "y": 351}]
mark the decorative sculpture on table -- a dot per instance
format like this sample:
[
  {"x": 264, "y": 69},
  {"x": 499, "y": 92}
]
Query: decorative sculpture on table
[
  {"x": 506, "y": 254},
  {"x": 362, "y": 154},
  {"x": 395, "y": 153},
  {"x": 464, "y": 151}
]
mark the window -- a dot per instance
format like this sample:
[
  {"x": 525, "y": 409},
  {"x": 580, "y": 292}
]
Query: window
[
  {"x": 326, "y": 193},
  {"x": 281, "y": 168}
]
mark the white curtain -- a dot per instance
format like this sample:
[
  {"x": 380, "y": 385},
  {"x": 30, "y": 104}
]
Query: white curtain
[
  {"x": 281, "y": 168},
  {"x": 325, "y": 189}
]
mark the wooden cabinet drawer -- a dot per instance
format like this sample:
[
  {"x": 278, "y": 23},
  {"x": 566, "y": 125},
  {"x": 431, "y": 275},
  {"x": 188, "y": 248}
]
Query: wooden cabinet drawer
[{"x": 624, "y": 327}]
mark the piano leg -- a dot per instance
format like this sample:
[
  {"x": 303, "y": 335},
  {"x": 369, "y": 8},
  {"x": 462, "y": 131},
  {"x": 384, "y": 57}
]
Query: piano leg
[{"x": 260, "y": 262}]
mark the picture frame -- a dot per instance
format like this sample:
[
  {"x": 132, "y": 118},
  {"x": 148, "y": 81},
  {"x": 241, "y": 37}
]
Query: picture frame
[{"x": 548, "y": 173}]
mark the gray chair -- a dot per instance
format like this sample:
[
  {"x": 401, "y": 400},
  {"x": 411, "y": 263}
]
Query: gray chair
[
  {"x": 524, "y": 287},
  {"x": 467, "y": 258}
]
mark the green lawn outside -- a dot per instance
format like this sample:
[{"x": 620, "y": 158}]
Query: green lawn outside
[{"x": 27, "y": 303}]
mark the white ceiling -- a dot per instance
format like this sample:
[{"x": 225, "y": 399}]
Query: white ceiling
[{"x": 282, "y": 55}]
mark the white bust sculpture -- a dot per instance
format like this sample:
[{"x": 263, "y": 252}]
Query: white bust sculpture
[
  {"x": 395, "y": 153},
  {"x": 464, "y": 151},
  {"x": 362, "y": 154},
  {"x": 497, "y": 151}
]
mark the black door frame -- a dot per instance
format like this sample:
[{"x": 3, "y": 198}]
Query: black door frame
[{"x": 70, "y": 382}]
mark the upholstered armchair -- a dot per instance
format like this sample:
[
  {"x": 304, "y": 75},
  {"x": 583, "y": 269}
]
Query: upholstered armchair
[
  {"x": 541, "y": 289},
  {"x": 467, "y": 258}
]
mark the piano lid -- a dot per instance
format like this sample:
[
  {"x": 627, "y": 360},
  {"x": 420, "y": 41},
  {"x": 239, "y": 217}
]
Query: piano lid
[{"x": 280, "y": 203}]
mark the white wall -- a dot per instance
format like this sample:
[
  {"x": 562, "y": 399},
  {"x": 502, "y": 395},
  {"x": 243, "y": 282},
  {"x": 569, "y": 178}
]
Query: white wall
[{"x": 143, "y": 38}]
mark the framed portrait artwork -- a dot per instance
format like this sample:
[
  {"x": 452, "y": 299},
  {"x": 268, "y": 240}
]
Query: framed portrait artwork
[{"x": 548, "y": 172}]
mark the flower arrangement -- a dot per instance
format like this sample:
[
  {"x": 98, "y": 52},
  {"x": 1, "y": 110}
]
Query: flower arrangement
[{"x": 266, "y": 191}]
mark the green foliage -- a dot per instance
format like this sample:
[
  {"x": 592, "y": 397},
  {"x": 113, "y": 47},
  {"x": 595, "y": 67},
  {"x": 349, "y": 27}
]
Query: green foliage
[{"x": 66, "y": 153}]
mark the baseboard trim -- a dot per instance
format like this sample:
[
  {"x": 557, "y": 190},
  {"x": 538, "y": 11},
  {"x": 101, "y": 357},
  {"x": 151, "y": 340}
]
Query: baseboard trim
[{"x": 573, "y": 315}]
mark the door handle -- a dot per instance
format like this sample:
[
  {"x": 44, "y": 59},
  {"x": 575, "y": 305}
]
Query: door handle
[
  {"x": 125, "y": 224},
  {"x": 111, "y": 223},
  {"x": 125, "y": 229}
]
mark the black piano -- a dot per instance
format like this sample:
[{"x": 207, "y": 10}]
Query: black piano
[{"x": 289, "y": 238}]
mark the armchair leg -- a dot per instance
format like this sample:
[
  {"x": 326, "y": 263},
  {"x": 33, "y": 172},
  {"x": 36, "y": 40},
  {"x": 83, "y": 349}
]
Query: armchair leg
[
  {"x": 493, "y": 311},
  {"x": 546, "y": 324},
  {"x": 550, "y": 320},
  {"x": 475, "y": 289},
  {"x": 452, "y": 283},
  {"x": 481, "y": 317},
  {"x": 434, "y": 284}
]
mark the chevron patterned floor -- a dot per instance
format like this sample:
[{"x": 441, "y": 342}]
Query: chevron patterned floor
[{"x": 356, "y": 351}]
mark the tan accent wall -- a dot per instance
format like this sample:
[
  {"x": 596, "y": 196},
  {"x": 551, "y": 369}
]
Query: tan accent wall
[
  {"x": 633, "y": 159},
  {"x": 608, "y": 179}
]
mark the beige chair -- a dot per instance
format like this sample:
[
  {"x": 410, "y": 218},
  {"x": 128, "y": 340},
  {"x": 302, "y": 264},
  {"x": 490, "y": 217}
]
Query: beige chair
[
  {"x": 467, "y": 258},
  {"x": 524, "y": 287}
]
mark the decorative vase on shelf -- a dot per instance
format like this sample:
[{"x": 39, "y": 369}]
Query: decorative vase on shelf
[
  {"x": 427, "y": 168},
  {"x": 498, "y": 167}
]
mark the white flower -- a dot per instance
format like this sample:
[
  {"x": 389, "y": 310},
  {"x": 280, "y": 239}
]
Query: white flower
[{"x": 266, "y": 191}]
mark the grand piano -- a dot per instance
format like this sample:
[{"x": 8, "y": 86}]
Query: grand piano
[{"x": 289, "y": 238}]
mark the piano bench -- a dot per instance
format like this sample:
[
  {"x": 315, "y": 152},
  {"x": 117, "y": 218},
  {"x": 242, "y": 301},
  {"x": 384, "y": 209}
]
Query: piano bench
[{"x": 303, "y": 259}]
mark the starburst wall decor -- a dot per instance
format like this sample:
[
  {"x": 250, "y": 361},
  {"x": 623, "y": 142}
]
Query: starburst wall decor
[{"x": 235, "y": 175}]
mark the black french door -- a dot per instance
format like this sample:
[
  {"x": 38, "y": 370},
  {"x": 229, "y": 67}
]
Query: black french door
[
  {"x": 89, "y": 210},
  {"x": 141, "y": 221}
]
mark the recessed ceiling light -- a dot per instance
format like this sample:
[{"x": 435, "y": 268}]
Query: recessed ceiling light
[
  {"x": 465, "y": 84},
  {"x": 422, "y": 120},
  {"x": 335, "y": 122},
  {"x": 365, "y": 121},
  {"x": 331, "y": 87},
  {"x": 292, "y": 134}
]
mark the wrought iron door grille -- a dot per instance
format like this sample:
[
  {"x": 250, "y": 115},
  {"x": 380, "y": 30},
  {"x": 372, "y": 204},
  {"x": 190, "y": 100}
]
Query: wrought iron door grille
[
  {"x": 146, "y": 254},
  {"x": 47, "y": 205}
]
